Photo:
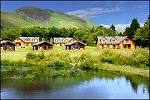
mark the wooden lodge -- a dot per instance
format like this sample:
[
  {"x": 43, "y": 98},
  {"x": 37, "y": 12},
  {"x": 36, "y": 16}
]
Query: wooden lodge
[
  {"x": 25, "y": 41},
  {"x": 7, "y": 45},
  {"x": 75, "y": 45},
  {"x": 115, "y": 42},
  {"x": 42, "y": 46}
]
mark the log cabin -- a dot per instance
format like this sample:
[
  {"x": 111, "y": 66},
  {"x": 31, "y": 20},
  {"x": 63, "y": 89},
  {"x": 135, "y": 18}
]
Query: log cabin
[
  {"x": 25, "y": 41},
  {"x": 115, "y": 42},
  {"x": 75, "y": 45},
  {"x": 42, "y": 46},
  {"x": 7, "y": 45}
]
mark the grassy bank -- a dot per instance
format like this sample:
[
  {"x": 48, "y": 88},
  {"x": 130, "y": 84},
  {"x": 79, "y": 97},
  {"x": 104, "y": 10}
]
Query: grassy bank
[{"x": 60, "y": 62}]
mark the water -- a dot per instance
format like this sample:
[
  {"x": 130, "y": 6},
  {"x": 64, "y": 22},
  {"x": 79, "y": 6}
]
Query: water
[{"x": 101, "y": 86}]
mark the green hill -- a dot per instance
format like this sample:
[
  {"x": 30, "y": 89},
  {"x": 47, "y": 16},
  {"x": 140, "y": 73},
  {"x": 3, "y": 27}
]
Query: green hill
[{"x": 32, "y": 16}]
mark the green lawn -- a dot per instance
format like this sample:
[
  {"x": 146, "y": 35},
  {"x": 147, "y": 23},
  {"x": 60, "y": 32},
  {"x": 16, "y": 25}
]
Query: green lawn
[{"x": 20, "y": 54}]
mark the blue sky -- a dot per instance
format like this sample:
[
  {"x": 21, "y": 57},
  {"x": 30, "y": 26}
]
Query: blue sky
[{"x": 98, "y": 12}]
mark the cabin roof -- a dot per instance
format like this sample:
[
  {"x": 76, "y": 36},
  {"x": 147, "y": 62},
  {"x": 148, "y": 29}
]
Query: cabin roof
[
  {"x": 6, "y": 41},
  {"x": 108, "y": 39},
  {"x": 72, "y": 42},
  {"x": 62, "y": 39},
  {"x": 29, "y": 39},
  {"x": 39, "y": 43}
]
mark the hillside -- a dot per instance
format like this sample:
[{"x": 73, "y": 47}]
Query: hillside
[{"x": 32, "y": 16}]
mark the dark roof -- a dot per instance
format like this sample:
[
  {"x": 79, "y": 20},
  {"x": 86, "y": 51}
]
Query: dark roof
[
  {"x": 42, "y": 43},
  {"x": 72, "y": 42},
  {"x": 118, "y": 39},
  {"x": 6, "y": 41}
]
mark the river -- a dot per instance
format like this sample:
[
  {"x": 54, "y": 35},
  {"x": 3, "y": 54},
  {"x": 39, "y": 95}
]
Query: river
[{"x": 93, "y": 86}]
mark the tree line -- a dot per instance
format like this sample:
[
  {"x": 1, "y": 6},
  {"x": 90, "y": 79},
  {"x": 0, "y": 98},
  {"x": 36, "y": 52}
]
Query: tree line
[{"x": 87, "y": 35}]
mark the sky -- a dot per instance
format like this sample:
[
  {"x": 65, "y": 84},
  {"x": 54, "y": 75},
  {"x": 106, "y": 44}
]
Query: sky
[{"x": 119, "y": 13}]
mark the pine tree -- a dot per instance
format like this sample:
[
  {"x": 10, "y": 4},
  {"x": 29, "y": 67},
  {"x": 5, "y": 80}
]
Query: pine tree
[
  {"x": 147, "y": 21},
  {"x": 113, "y": 27},
  {"x": 130, "y": 31},
  {"x": 133, "y": 27}
]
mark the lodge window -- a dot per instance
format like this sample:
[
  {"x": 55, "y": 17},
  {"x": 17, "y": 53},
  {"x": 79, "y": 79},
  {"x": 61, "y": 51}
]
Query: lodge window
[
  {"x": 27, "y": 39},
  {"x": 17, "y": 39},
  {"x": 127, "y": 41},
  {"x": 113, "y": 40},
  {"x": 33, "y": 40},
  {"x": 103, "y": 40},
  {"x": 56, "y": 40},
  {"x": 62, "y": 40}
]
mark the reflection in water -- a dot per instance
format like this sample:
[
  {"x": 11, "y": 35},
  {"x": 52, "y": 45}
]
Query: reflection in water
[
  {"x": 136, "y": 82},
  {"x": 33, "y": 86},
  {"x": 89, "y": 85}
]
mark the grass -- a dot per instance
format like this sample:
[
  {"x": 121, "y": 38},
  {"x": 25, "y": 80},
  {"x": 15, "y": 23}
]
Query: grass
[
  {"x": 66, "y": 62},
  {"x": 127, "y": 70}
]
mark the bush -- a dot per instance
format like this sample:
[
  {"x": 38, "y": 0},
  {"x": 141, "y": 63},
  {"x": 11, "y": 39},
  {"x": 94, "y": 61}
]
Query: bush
[
  {"x": 32, "y": 56},
  {"x": 88, "y": 63},
  {"x": 88, "y": 66},
  {"x": 145, "y": 54},
  {"x": 138, "y": 58},
  {"x": 64, "y": 56},
  {"x": 75, "y": 59},
  {"x": 41, "y": 56},
  {"x": 109, "y": 56},
  {"x": 59, "y": 64},
  {"x": 125, "y": 60}
]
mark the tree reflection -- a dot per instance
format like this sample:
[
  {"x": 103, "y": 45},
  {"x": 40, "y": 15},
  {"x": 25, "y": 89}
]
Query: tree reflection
[{"x": 136, "y": 81}]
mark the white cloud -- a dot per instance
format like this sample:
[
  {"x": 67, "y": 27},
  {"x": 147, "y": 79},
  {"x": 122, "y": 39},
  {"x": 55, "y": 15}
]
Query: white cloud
[
  {"x": 92, "y": 12},
  {"x": 120, "y": 27},
  {"x": 84, "y": 13}
]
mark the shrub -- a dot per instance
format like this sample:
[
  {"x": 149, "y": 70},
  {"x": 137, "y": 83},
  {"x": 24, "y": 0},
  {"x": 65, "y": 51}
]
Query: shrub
[
  {"x": 30, "y": 55},
  {"x": 58, "y": 64},
  {"x": 89, "y": 66},
  {"x": 138, "y": 58},
  {"x": 75, "y": 59},
  {"x": 41, "y": 55},
  {"x": 88, "y": 62},
  {"x": 13, "y": 71},
  {"x": 29, "y": 76},
  {"x": 63, "y": 56},
  {"x": 124, "y": 60},
  {"x": 109, "y": 56}
]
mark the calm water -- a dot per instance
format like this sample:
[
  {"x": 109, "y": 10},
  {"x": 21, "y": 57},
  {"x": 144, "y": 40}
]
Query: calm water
[{"x": 104, "y": 85}]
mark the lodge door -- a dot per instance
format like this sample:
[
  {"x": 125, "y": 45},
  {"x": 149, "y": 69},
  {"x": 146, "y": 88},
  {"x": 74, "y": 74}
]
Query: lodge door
[
  {"x": 44, "y": 47},
  {"x": 36, "y": 47}
]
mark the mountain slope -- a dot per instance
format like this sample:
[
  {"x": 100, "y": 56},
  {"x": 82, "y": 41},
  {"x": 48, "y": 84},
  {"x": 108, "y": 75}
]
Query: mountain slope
[{"x": 32, "y": 16}]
